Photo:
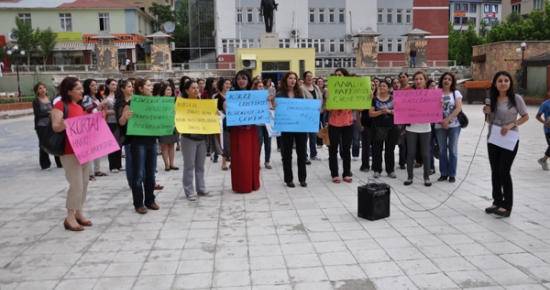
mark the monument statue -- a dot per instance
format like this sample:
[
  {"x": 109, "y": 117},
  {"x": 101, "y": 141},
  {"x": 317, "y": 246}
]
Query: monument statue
[{"x": 266, "y": 9}]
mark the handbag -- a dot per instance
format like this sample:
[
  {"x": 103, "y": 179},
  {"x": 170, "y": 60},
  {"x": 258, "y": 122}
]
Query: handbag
[
  {"x": 323, "y": 134},
  {"x": 462, "y": 118},
  {"x": 54, "y": 142}
]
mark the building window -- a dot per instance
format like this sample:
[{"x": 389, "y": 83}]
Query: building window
[
  {"x": 284, "y": 43},
  {"x": 473, "y": 8},
  {"x": 381, "y": 45},
  {"x": 239, "y": 15},
  {"x": 66, "y": 22},
  {"x": 342, "y": 15},
  {"x": 490, "y": 20},
  {"x": 342, "y": 46},
  {"x": 457, "y": 6},
  {"x": 275, "y": 66},
  {"x": 473, "y": 19},
  {"x": 537, "y": 4},
  {"x": 331, "y": 16},
  {"x": 104, "y": 22},
  {"x": 260, "y": 17},
  {"x": 399, "y": 16},
  {"x": 400, "y": 45},
  {"x": 390, "y": 14},
  {"x": 321, "y": 15},
  {"x": 312, "y": 15},
  {"x": 332, "y": 45},
  {"x": 249, "y": 15},
  {"x": 493, "y": 8},
  {"x": 26, "y": 18},
  {"x": 457, "y": 21},
  {"x": 465, "y": 7},
  {"x": 321, "y": 45},
  {"x": 516, "y": 8},
  {"x": 380, "y": 15},
  {"x": 390, "y": 45},
  {"x": 408, "y": 16}
]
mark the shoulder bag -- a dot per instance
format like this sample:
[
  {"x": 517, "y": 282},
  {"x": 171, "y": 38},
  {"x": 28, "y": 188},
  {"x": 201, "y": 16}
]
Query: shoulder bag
[
  {"x": 54, "y": 142},
  {"x": 462, "y": 118}
]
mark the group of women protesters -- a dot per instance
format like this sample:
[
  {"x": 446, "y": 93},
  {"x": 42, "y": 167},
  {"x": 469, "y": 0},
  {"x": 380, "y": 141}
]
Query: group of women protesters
[{"x": 241, "y": 145}]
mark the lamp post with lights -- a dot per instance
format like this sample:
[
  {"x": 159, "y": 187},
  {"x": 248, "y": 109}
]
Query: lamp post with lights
[{"x": 15, "y": 51}]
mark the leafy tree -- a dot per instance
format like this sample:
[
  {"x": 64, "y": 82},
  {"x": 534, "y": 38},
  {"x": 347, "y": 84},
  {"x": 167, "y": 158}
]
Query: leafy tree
[
  {"x": 461, "y": 42},
  {"x": 26, "y": 38},
  {"x": 46, "y": 41},
  {"x": 163, "y": 13}
]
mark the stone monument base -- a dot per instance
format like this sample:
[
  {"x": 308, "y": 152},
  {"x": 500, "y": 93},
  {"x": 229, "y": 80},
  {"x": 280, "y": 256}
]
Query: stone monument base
[{"x": 269, "y": 40}]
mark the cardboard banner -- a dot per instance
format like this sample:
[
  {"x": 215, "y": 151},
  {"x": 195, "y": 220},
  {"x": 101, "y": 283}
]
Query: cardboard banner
[
  {"x": 197, "y": 116},
  {"x": 152, "y": 116},
  {"x": 247, "y": 107},
  {"x": 417, "y": 106},
  {"x": 297, "y": 115},
  {"x": 90, "y": 137},
  {"x": 349, "y": 93}
]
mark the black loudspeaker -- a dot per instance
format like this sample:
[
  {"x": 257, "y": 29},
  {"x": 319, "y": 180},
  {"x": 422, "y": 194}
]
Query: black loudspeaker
[{"x": 373, "y": 201}]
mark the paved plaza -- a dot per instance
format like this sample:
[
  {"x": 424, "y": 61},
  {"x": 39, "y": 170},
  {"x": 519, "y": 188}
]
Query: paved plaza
[{"x": 276, "y": 238}]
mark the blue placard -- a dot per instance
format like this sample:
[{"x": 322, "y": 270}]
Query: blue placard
[
  {"x": 297, "y": 115},
  {"x": 247, "y": 108}
]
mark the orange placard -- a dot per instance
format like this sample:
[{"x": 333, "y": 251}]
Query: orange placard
[{"x": 460, "y": 14}]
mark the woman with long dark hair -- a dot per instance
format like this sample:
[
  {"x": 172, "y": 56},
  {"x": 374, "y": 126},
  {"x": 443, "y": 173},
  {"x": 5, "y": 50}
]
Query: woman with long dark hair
[
  {"x": 144, "y": 158},
  {"x": 209, "y": 89},
  {"x": 167, "y": 143},
  {"x": 244, "y": 148},
  {"x": 386, "y": 132},
  {"x": 311, "y": 91},
  {"x": 224, "y": 85},
  {"x": 448, "y": 131},
  {"x": 365, "y": 126},
  {"x": 320, "y": 82},
  {"x": 123, "y": 95},
  {"x": 92, "y": 101},
  {"x": 290, "y": 89},
  {"x": 115, "y": 158},
  {"x": 42, "y": 106},
  {"x": 503, "y": 113},
  {"x": 340, "y": 127},
  {"x": 76, "y": 174},
  {"x": 194, "y": 152}
]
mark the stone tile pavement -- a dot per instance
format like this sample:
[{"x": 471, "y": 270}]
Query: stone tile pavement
[{"x": 277, "y": 237}]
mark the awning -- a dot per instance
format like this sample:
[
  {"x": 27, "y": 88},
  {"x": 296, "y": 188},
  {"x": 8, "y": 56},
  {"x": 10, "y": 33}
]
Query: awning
[
  {"x": 248, "y": 57},
  {"x": 125, "y": 45},
  {"x": 64, "y": 46}
]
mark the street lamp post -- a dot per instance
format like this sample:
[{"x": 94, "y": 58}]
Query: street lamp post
[{"x": 17, "y": 53}]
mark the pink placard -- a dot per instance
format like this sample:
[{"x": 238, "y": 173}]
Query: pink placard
[
  {"x": 90, "y": 137},
  {"x": 417, "y": 106}
]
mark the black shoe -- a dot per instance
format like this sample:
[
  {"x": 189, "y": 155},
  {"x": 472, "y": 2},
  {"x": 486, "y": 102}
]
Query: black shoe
[
  {"x": 402, "y": 167},
  {"x": 303, "y": 184},
  {"x": 505, "y": 213},
  {"x": 491, "y": 209},
  {"x": 290, "y": 184},
  {"x": 308, "y": 162},
  {"x": 452, "y": 179},
  {"x": 442, "y": 178},
  {"x": 408, "y": 182},
  {"x": 427, "y": 183}
]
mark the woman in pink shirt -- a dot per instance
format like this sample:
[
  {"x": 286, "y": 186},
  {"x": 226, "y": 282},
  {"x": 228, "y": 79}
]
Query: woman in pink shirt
[{"x": 340, "y": 128}]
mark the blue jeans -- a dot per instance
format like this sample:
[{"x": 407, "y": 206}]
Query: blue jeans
[
  {"x": 144, "y": 159},
  {"x": 263, "y": 137},
  {"x": 356, "y": 141},
  {"x": 448, "y": 150},
  {"x": 129, "y": 165},
  {"x": 413, "y": 61}
]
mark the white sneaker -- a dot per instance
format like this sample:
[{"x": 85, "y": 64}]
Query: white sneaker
[
  {"x": 376, "y": 174},
  {"x": 315, "y": 158},
  {"x": 543, "y": 164},
  {"x": 392, "y": 175},
  {"x": 192, "y": 198},
  {"x": 355, "y": 158}
]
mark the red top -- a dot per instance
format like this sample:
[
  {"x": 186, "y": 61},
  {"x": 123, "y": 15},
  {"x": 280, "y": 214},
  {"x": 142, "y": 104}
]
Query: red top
[
  {"x": 340, "y": 118},
  {"x": 74, "y": 111}
]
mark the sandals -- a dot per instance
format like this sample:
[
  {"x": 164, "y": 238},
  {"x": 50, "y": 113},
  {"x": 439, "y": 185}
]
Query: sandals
[
  {"x": 158, "y": 187},
  {"x": 225, "y": 168},
  {"x": 348, "y": 179},
  {"x": 99, "y": 173},
  {"x": 92, "y": 178},
  {"x": 267, "y": 165},
  {"x": 427, "y": 183},
  {"x": 336, "y": 180}
]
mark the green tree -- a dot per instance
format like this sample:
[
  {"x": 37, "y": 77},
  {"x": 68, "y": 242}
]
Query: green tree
[
  {"x": 163, "y": 13},
  {"x": 461, "y": 42},
  {"x": 46, "y": 42},
  {"x": 26, "y": 37}
]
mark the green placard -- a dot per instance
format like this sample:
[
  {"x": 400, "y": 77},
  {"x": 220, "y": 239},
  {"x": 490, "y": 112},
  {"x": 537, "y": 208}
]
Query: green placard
[
  {"x": 152, "y": 116},
  {"x": 349, "y": 93}
]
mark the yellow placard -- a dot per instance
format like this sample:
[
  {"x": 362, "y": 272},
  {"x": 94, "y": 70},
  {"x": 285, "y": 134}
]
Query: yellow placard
[{"x": 197, "y": 116}]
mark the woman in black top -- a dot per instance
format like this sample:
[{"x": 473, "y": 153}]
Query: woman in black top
[
  {"x": 385, "y": 131},
  {"x": 366, "y": 132},
  {"x": 42, "y": 107},
  {"x": 123, "y": 95},
  {"x": 290, "y": 89},
  {"x": 224, "y": 85}
]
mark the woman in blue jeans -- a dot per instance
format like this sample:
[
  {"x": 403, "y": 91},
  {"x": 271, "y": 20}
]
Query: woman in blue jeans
[{"x": 448, "y": 130}]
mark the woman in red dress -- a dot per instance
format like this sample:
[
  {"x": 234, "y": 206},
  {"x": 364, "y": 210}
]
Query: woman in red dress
[{"x": 245, "y": 160}]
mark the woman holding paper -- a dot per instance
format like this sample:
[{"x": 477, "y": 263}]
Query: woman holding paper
[
  {"x": 115, "y": 158},
  {"x": 311, "y": 91},
  {"x": 123, "y": 95},
  {"x": 340, "y": 127},
  {"x": 93, "y": 101},
  {"x": 76, "y": 174},
  {"x": 263, "y": 134},
  {"x": 422, "y": 132},
  {"x": 167, "y": 143},
  {"x": 224, "y": 85},
  {"x": 193, "y": 151},
  {"x": 448, "y": 130},
  {"x": 290, "y": 89},
  {"x": 244, "y": 148},
  {"x": 502, "y": 116},
  {"x": 386, "y": 132}
]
